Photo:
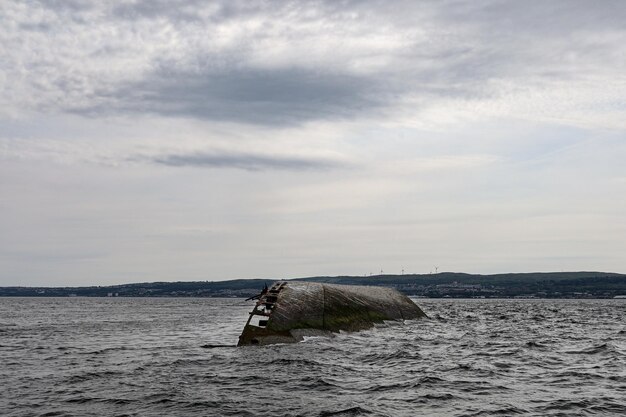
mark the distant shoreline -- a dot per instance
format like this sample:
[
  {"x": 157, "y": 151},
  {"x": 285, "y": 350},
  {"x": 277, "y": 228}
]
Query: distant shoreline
[
  {"x": 544, "y": 285},
  {"x": 126, "y": 297}
]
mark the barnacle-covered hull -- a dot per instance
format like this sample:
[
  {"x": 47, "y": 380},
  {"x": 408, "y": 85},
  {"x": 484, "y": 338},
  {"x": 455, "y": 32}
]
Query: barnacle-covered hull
[{"x": 288, "y": 311}]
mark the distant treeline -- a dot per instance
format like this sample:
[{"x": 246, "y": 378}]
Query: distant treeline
[{"x": 445, "y": 284}]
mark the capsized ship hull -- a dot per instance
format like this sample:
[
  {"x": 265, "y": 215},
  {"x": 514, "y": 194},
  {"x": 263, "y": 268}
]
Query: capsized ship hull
[{"x": 289, "y": 311}]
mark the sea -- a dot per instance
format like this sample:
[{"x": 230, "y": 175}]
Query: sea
[{"x": 177, "y": 357}]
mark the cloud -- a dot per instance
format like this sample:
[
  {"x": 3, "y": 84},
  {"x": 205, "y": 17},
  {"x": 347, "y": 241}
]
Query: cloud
[
  {"x": 262, "y": 97},
  {"x": 245, "y": 161},
  {"x": 291, "y": 63},
  {"x": 459, "y": 130}
]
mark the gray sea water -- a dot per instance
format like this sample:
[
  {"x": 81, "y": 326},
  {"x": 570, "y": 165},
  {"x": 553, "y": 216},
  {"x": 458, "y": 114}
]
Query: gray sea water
[{"x": 155, "y": 357}]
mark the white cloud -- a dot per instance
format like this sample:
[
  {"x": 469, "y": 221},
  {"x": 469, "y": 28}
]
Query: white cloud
[{"x": 309, "y": 61}]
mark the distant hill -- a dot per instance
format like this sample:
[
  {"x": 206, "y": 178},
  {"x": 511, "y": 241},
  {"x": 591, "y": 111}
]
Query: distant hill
[
  {"x": 445, "y": 284},
  {"x": 538, "y": 284}
]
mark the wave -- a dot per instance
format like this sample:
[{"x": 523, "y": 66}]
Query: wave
[
  {"x": 106, "y": 350},
  {"x": 390, "y": 357},
  {"x": 352, "y": 411},
  {"x": 87, "y": 376},
  {"x": 535, "y": 345},
  {"x": 214, "y": 346},
  {"x": 592, "y": 350}
]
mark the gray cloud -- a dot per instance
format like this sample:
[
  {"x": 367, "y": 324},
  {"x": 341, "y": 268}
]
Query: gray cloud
[
  {"x": 187, "y": 10},
  {"x": 288, "y": 63},
  {"x": 279, "y": 97},
  {"x": 245, "y": 161}
]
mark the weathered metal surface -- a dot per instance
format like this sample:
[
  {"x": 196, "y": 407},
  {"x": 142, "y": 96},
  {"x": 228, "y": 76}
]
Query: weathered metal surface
[{"x": 289, "y": 311}]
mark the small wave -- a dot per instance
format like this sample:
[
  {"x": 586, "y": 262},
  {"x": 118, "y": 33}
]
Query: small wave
[
  {"x": 118, "y": 401},
  {"x": 294, "y": 362},
  {"x": 399, "y": 386},
  {"x": 162, "y": 401},
  {"x": 475, "y": 369},
  {"x": 91, "y": 375},
  {"x": 567, "y": 405},
  {"x": 105, "y": 350},
  {"x": 80, "y": 400},
  {"x": 479, "y": 387},
  {"x": 504, "y": 411},
  {"x": 172, "y": 403},
  {"x": 213, "y": 346},
  {"x": 445, "y": 396},
  {"x": 318, "y": 383},
  {"x": 430, "y": 398},
  {"x": 534, "y": 345},
  {"x": 430, "y": 380},
  {"x": 607, "y": 406},
  {"x": 388, "y": 357},
  {"x": 353, "y": 411},
  {"x": 604, "y": 347},
  {"x": 202, "y": 404},
  {"x": 503, "y": 365},
  {"x": 575, "y": 376},
  {"x": 186, "y": 362},
  {"x": 441, "y": 318}
]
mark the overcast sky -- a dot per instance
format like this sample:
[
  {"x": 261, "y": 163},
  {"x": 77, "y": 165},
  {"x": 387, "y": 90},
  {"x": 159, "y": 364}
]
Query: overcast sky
[{"x": 192, "y": 140}]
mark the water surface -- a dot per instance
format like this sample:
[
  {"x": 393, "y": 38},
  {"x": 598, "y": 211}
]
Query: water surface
[{"x": 154, "y": 357}]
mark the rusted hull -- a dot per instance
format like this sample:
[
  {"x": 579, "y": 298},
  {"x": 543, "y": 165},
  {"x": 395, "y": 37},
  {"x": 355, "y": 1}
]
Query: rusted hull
[{"x": 289, "y": 311}]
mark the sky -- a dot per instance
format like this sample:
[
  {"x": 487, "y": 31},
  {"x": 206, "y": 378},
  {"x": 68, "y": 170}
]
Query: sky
[{"x": 179, "y": 140}]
